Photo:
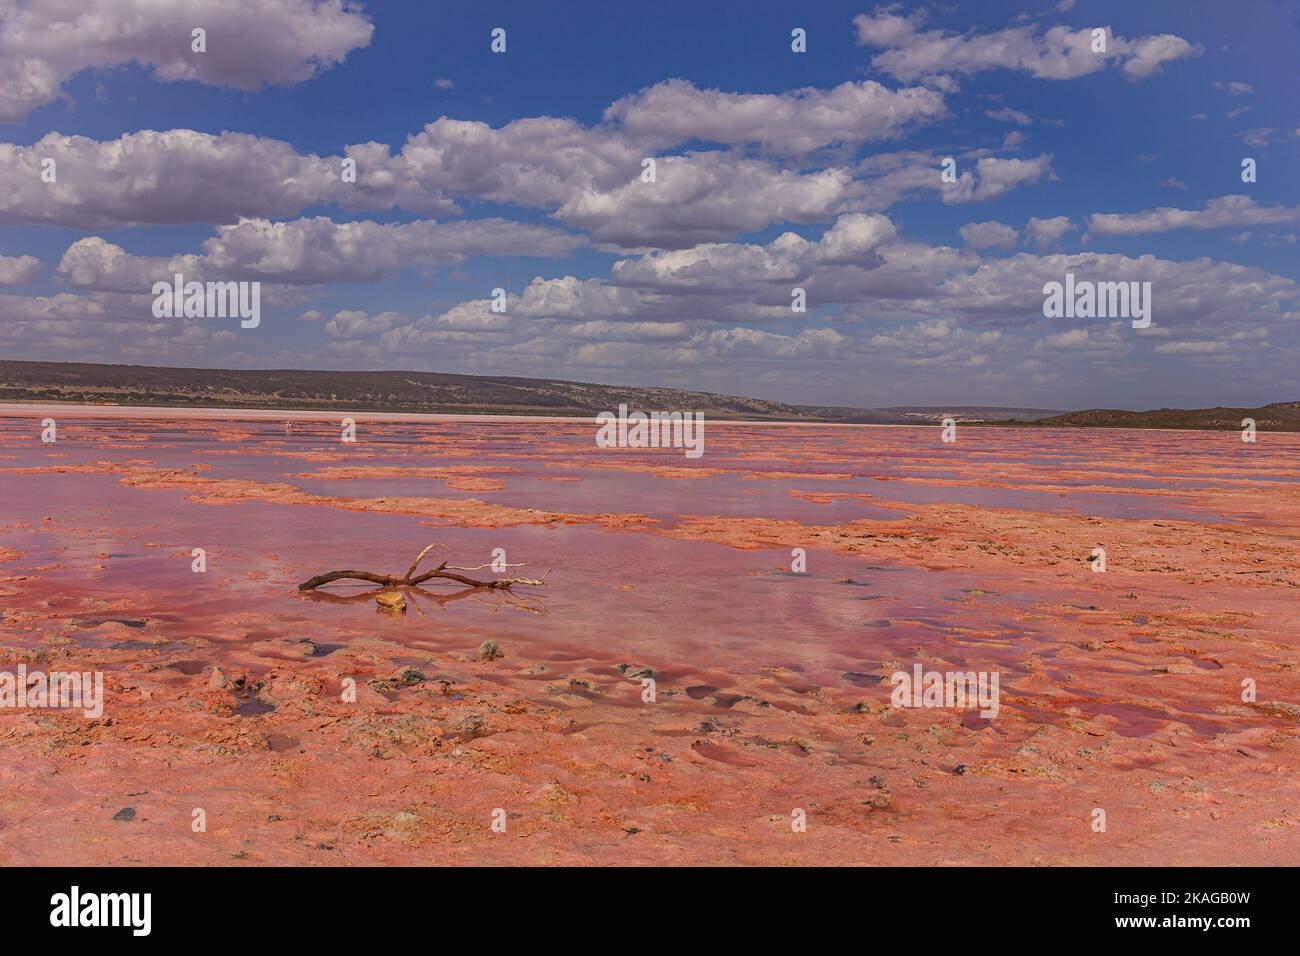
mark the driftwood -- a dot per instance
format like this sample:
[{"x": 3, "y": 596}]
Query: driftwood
[{"x": 444, "y": 571}]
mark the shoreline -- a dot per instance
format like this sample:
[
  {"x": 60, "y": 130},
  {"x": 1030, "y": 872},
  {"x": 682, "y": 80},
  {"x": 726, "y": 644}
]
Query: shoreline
[
  {"x": 218, "y": 413},
  {"x": 223, "y": 413}
]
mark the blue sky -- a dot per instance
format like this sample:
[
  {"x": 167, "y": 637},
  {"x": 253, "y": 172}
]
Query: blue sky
[{"x": 775, "y": 170}]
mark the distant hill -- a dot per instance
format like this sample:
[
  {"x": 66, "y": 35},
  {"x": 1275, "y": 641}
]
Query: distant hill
[
  {"x": 444, "y": 393},
  {"x": 1280, "y": 416},
  {"x": 926, "y": 414},
  {"x": 971, "y": 413},
  {"x": 427, "y": 392}
]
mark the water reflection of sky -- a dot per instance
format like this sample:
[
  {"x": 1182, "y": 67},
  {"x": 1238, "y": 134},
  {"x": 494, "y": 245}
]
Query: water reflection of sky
[{"x": 111, "y": 556}]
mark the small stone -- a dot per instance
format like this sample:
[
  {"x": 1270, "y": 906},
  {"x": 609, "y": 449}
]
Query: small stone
[
  {"x": 489, "y": 651},
  {"x": 635, "y": 672},
  {"x": 409, "y": 675},
  {"x": 220, "y": 680},
  {"x": 467, "y": 728},
  {"x": 391, "y": 601},
  {"x": 959, "y": 769},
  {"x": 126, "y": 814}
]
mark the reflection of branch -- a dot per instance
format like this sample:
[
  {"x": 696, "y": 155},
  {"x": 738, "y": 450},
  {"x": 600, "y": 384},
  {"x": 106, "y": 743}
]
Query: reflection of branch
[
  {"x": 411, "y": 579},
  {"x": 512, "y": 600},
  {"x": 369, "y": 595}
]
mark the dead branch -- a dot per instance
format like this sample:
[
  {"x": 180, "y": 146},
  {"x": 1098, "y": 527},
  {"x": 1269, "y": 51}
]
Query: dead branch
[
  {"x": 420, "y": 557},
  {"x": 536, "y": 582},
  {"x": 444, "y": 571}
]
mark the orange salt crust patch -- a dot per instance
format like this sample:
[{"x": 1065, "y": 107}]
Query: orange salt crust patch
[
  {"x": 826, "y": 497},
  {"x": 661, "y": 471}
]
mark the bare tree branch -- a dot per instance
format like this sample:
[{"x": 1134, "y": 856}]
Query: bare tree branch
[
  {"x": 411, "y": 579},
  {"x": 420, "y": 557},
  {"x": 480, "y": 567}
]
